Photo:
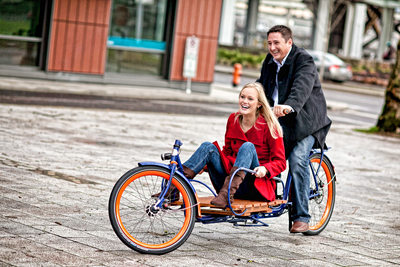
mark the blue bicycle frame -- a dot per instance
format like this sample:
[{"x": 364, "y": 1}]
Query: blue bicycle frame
[{"x": 175, "y": 167}]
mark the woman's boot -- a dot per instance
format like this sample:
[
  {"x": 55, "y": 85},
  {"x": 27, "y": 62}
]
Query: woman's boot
[
  {"x": 188, "y": 172},
  {"x": 221, "y": 201},
  {"x": 173, "y": 193}
]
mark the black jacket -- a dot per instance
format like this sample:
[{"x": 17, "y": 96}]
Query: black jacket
[{"x": 299, "y": 87}]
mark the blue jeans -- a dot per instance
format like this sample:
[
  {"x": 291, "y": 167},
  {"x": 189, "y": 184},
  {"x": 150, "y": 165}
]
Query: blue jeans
[
  {"x": 208, "y": 154},
  {"x": 300, "y": 172}
]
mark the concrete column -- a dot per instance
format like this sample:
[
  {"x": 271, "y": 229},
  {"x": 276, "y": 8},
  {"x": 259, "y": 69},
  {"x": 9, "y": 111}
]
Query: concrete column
[
  {"x": 251, "y": 21},
  {"x": 360, "y": 16},
  {"x": 348, "y": 29},
  {"x": 227, "y": 28},
  {"x": 321, "y": 26},
  {"x": 354, "y": 30},
  {"x": 387, "y": 30}
]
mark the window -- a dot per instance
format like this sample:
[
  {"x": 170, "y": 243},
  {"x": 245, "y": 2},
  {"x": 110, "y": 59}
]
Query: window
[
  {"x": 21, "y": 26},
  {"x": 136, "y": 42}
]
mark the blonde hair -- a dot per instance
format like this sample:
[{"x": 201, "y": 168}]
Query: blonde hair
[{"x": 265, "y": 110}]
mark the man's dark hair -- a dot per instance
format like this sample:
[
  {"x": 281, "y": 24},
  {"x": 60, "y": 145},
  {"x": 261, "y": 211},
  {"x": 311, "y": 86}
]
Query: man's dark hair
[{"x": 284, "y": 30}]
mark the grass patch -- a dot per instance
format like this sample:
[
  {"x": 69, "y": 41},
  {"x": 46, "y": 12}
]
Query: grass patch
[{"x": 375, "y": 130}]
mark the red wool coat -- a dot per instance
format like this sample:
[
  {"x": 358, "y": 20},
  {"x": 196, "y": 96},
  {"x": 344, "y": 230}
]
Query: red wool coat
[{"x": 270, "y": 151}]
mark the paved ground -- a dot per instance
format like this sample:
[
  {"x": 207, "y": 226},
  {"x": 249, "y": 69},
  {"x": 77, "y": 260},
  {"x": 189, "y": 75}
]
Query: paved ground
[{"x": 58, "y": 166}]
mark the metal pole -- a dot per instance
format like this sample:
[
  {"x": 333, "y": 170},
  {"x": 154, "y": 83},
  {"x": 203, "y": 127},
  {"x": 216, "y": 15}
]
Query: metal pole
[{"x": 188, "y": 86}]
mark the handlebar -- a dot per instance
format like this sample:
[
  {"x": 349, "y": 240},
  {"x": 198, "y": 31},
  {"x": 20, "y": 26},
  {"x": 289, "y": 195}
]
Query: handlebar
[
  {"x": 246, "y": 170},
  {"x": 287, "y": 111}
]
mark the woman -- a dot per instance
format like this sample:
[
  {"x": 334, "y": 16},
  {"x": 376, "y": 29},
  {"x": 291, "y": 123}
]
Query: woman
[{"x": 253, "y": 140}]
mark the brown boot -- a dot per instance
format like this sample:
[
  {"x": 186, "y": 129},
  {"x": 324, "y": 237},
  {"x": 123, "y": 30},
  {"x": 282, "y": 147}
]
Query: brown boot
[
  {"x": 188, "y": 172},
  {"x": 221, "y": 201},
  {"x": 173, "y": 193}
]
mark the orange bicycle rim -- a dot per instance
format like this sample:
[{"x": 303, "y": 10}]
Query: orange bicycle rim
[
  {"x": 329, "y": 200},
  {"x": 185, "y": 197}
]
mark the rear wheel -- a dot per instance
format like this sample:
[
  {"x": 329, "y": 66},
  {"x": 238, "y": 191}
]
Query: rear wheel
[
  {"x": 139, "y": 223},
  {"x": 322, "y": 193}
]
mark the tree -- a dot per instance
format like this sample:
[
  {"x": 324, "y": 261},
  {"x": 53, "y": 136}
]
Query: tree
[{"x": 389, "y": 120}]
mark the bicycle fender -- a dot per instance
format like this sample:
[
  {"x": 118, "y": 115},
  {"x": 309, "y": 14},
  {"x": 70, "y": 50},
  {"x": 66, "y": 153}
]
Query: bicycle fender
[
  {"x": 165, "y": 166},
  {"x": 153, "y": 163}
]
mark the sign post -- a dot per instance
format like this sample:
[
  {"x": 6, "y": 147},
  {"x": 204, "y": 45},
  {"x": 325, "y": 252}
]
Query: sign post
[{"x": 190, "y": 60}]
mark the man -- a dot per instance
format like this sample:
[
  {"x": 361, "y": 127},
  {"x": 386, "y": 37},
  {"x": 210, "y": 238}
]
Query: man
[
  {"x": 291, "y": 83},
  {"x": 390, "y": 52}
]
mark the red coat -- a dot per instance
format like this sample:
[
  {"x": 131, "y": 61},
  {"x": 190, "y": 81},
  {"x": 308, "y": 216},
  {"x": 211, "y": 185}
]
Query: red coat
[{"x": 270, "y": 151}]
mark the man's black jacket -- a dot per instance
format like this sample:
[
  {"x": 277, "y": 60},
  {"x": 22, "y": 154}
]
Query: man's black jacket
[{"x": 299, "y": 87}]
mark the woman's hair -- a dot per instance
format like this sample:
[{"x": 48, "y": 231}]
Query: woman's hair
[{"x": 265, "y": 110}]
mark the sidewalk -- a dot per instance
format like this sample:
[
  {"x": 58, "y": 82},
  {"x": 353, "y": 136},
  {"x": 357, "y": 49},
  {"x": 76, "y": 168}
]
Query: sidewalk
[
  {"x": 58, "y": 166},
  {"x": 220, "y": 93}
]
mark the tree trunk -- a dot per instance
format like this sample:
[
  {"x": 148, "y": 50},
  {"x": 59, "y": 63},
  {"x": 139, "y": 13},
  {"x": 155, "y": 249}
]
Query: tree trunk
[{"x": 389, "y": 120}]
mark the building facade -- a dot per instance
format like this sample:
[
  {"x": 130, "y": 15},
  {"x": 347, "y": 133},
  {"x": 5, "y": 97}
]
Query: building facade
[{"x": 109, "y": 41}]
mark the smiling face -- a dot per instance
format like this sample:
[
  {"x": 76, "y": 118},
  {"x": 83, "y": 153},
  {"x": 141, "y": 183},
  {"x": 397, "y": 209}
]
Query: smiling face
[
  {"x": 248, "y": 101},
  {"x": 278, "y": 46}
]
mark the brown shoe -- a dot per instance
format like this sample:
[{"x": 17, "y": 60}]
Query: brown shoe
[{"x": 299, "y": 227}]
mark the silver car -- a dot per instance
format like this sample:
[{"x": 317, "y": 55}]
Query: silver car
[{"x": 335, "y": 68}]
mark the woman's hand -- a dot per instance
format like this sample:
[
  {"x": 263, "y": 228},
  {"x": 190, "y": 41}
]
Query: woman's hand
[{"x": 261, "y": 171}]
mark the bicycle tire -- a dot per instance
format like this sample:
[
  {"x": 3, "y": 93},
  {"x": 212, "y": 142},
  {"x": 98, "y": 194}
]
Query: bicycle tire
[
  {"x": 137, "y": 224},
  {"x": 321, "y": 207}
]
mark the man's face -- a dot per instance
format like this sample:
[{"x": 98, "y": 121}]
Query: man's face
[{"x": 277, "y": 46}]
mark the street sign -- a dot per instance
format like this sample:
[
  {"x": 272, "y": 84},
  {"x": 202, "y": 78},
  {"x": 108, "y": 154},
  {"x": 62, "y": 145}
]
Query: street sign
[{"x": 190, "y": 60}]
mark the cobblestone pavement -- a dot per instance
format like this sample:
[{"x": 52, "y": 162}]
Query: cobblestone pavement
[{"x": 58, "y": 166}]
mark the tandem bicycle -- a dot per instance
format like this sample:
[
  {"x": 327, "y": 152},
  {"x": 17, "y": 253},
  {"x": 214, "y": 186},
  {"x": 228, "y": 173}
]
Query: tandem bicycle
[{"x": 157, "y": 225}]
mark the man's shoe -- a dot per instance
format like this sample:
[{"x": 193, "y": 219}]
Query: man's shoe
[{"x": 299, "y": 227}]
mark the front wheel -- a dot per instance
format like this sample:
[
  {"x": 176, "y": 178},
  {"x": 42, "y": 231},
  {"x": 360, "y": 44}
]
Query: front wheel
[
  {"x": 136, "y": 219},
  {"x": 322, "y": 193}
]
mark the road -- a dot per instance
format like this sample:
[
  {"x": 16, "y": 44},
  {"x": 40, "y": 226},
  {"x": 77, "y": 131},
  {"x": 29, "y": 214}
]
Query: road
[
  {"x": 114, "y": 102},
  {"x": 351, "y": 108},
  {"x": 358, "y": 109}
]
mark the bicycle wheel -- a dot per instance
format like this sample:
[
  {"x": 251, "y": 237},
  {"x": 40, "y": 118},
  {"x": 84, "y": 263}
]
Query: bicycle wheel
[
  {"x": 137, "y": 222},
  {"x": 322, "y": 193}
]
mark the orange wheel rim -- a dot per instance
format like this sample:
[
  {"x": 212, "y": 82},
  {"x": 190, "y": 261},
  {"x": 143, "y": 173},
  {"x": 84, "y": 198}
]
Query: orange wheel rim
[
  {"x": 188, "y": 212},
  {"x": 329, "y": 200}
]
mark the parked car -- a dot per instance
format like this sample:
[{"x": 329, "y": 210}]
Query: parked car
[{"x": 335, "y": 68}]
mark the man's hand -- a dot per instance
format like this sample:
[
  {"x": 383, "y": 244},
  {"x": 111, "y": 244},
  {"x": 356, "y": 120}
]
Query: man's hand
[
  {"x": 261, "y": 171},
  {"x": 282, "y": 110}
]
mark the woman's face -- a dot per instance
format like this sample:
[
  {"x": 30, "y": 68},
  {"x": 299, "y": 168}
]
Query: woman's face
[{"x": 248, "y": 101}]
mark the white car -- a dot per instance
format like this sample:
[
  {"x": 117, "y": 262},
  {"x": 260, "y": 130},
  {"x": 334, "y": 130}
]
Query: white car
[{"x": 335, "y": 68}]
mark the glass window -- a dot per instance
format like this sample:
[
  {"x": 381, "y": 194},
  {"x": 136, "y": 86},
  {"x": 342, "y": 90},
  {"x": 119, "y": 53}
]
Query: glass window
[
  {"x": 20, "y": 32},
  {"x": 125, "y": 61},
  {"x": 136, "y": 42}
]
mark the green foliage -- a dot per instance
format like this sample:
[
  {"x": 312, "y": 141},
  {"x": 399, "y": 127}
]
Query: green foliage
[
  {"x": 14, "y": 27},
  {"x": 373, "y": 129},
  {"x": 232, "y": 56},
  {"x": 15, "y": 8}
]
